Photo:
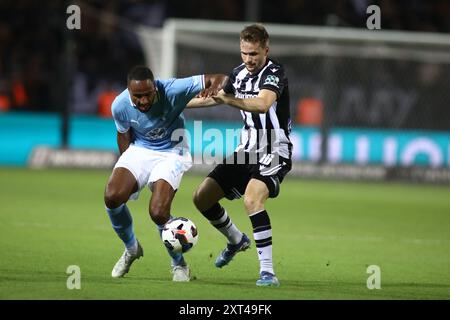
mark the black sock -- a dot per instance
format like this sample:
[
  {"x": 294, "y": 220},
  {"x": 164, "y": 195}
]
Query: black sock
[
  {"x": 262, "y": 233},
  {"x": 219, "y": 218}
]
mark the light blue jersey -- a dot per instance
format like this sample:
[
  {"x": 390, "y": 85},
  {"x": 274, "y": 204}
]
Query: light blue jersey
[{"x": 153, "y": 129}]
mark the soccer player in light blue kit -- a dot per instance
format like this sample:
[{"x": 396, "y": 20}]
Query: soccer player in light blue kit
[{"x": 148, "y": 115}]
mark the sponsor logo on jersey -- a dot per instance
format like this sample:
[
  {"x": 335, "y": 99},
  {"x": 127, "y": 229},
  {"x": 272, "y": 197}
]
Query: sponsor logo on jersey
[
  {"x": 272, "y": 80},
  {"x": 157, "y": 133}
]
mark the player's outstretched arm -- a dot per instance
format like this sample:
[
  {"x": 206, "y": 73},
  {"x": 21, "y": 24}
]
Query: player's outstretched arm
[
  {"x": 259, "y": 104},
  {"x": 201, "y": 102}
]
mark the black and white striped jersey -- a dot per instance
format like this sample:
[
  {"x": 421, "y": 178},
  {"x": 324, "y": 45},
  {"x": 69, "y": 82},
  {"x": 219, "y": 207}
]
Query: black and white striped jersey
[{"x": 263, "y": 132}]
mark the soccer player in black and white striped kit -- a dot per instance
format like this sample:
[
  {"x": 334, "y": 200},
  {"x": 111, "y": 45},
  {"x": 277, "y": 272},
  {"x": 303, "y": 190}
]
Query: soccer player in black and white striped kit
[{"x": 259, "y": 88}]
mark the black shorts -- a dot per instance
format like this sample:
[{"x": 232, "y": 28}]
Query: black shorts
[{"x": 233, "y": 177}]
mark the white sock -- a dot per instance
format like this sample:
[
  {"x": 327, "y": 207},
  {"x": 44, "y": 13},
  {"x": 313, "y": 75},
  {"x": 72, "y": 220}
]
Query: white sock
[{"x": 265, "y": 259}]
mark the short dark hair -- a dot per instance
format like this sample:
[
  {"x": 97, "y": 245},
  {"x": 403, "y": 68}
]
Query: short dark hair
[
  {"x": 140, "y": 73},
  {"x": 255, "y": 33}
]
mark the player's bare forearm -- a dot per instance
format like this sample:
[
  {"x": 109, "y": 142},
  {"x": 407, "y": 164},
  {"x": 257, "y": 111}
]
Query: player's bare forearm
[
  {"x": 201, "y": 103},
  {"x": 257, "y": 104},
  {"x": 124, "y": 141}
]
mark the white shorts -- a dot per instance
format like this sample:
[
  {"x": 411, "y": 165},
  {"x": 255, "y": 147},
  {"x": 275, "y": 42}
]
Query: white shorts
[{"x": 148, "y": 166}]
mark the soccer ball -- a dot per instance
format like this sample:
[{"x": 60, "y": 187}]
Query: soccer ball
[{"x": 179, "y": 235}]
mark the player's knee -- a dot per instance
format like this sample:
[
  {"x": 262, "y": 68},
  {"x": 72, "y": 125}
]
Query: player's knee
[
  {"x": 253, "y": 204},
  {"x": 114, "y": 198}
]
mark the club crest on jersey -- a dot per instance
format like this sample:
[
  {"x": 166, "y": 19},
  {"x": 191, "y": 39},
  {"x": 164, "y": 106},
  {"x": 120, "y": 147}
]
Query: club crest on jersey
[
  {"x": 272, "y": 80},
  {"x": 157, "y": 133}
]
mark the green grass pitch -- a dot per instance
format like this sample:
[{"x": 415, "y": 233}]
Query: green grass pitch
[{"x": 325, "y": 236}]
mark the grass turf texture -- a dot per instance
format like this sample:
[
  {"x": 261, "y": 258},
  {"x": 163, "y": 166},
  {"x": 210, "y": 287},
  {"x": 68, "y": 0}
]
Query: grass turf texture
[{"x": 325, "y": 236}]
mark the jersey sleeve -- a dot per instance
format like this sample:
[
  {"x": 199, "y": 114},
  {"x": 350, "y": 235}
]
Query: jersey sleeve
[
  {"x": 120, "y": 116},
  {"x": 182, "y": 90},
  {"x": 273, "y": 79}
]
